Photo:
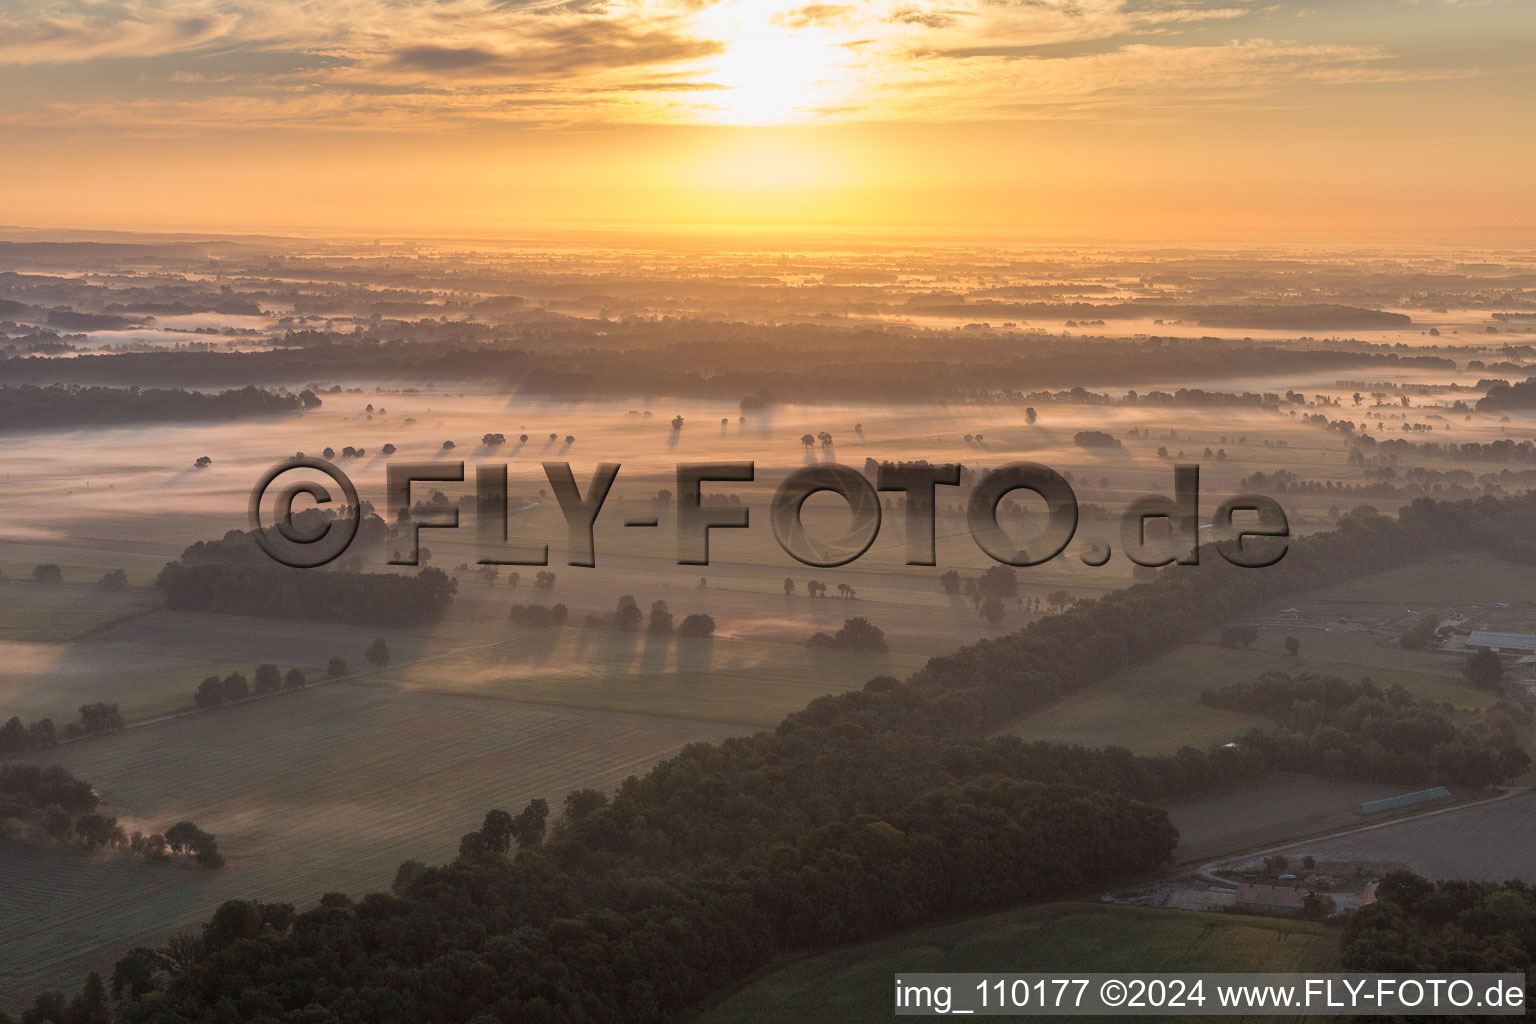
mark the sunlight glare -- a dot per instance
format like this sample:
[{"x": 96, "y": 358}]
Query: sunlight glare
[{"x": 774, "y": 68}]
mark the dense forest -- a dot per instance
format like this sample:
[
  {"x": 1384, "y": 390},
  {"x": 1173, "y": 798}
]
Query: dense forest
[
  {"x": 1520, "y": 395},
  {"x": 1417, "y": 925},
  {"x": 29, "y": 407},
  {"x": 869, "y": 811},
  {"x": 239, "y": 547}
]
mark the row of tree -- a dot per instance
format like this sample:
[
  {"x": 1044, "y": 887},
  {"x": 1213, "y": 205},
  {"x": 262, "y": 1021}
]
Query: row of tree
[
  {"x": 49, "y": 805},
  {"x": 215, "y": 691},
  {"x": 96, "y": 719},
  {"x": 628, "y": 618}
]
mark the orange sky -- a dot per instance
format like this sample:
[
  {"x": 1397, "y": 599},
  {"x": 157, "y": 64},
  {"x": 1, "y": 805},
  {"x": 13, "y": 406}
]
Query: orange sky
[{"x": 1129, "y": 119}]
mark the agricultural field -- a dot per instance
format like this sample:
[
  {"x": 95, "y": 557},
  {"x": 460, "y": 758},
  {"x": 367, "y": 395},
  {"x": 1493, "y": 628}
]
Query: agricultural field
[
  {"x": 150, "y": 664},
  {"x": 854, "y": 984},
  {"x": 1488, "y": 842},
  {"x": 750, "y": 682},
  {"x": 1269, "y": 812},
  {"x": 326, "y": 789}
]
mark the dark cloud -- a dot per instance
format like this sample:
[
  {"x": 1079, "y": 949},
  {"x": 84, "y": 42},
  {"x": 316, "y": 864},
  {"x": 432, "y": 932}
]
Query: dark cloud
[
  {"x": 605, "y": 44},
  {"x": 443, "y": 58},
  {"x": 559, "y": 50}
]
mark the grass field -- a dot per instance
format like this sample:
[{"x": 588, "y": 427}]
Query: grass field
[
  {"x": 40, "y": 613},
  {"x": 326, "y": 789},
  {"x": 1460, "y": 579},
  {"x": 854, "y": 984}
]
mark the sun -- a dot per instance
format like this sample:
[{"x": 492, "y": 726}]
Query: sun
[{"x": 779, "y": 64}]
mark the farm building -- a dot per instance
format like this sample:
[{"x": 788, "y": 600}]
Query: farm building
[
  {"x": 1256, "y": 898},
  {"x": 1502, "y": 643}
]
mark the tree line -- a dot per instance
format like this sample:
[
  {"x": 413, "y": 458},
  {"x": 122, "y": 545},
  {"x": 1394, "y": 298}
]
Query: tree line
[
  {"x": 29, "y": 407},
  {"x": 96, "y": 719},
  {"x": 278, "y": 592},
  {"x": 628, "y": 618}
]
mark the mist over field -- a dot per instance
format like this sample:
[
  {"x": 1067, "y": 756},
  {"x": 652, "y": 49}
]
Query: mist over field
[{"x": 134, "y": 439}]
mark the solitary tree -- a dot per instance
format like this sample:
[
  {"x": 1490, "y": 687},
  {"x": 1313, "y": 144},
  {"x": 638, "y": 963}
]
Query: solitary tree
[
  {"x": 1421, "y": 633},
  {"x": 336, "y": 667},
  {"x": 1484, "y": 670},
  {"x": 998, "y": 581},
  {"x": 1292, "y": 646},
  {"x": 377, "y": 653}
]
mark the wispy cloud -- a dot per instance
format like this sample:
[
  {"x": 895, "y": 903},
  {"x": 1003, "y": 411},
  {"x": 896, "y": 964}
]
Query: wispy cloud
[{"x": 407, "y": 66}]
